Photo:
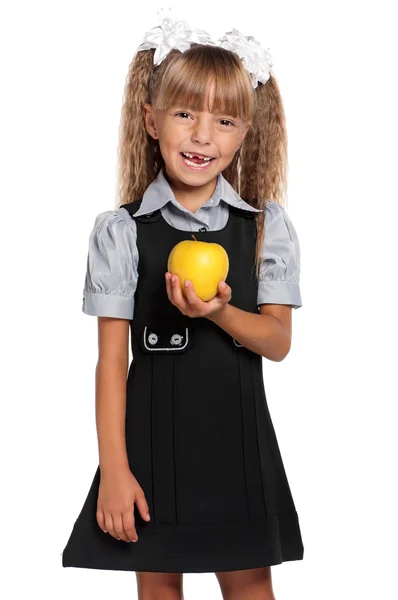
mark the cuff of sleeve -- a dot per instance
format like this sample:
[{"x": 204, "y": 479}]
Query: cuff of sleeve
[
  {"x": 279, "y": 292},
  {"x": 108, "y": 305}
]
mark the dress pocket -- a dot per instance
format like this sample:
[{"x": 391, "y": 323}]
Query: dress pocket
[{"x": 163, "y": 340}]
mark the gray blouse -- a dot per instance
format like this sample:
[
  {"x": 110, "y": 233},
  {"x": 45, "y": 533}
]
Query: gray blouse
[{"x": 112, "y": 261}]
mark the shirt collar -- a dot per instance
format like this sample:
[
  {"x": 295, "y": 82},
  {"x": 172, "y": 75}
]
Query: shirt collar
[{"x": 159, "y": 193}]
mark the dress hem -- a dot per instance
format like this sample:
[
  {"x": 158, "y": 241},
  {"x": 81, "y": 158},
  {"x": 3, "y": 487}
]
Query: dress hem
[{"x": 247, "y": 545}]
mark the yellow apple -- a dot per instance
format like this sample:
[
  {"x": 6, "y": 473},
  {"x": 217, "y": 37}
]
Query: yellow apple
[{"x": 205, "y": 264}]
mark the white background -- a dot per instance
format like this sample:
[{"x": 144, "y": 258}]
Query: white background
[{"x": 332, "y": 400}]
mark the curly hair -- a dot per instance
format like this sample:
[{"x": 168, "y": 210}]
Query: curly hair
[{"x": 258, "y": 171}]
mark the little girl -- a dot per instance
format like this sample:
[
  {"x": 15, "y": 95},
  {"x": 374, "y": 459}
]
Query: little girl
[{"x": 189, "y": 464}]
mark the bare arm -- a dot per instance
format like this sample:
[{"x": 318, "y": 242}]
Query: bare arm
[
  {"x": 111, "y": 373},
  {"x": 268, "y": 333},
  {"x": 119, "y": 489}
]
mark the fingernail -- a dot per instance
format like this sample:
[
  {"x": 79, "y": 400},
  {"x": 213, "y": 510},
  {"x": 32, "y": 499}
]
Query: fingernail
[
  {"x": 148, "y": 516},
  {"x": 186, "y": 283}
]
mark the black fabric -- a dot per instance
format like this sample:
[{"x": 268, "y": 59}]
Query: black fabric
[{"x": 199, "y": 435}]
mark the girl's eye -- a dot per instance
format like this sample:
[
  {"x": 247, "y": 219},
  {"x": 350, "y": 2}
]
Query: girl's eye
[{"x": 230, "y": 123}]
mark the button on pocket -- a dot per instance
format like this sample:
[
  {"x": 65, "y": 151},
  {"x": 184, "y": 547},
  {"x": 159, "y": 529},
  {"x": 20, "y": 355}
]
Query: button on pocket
[
  {"x": 153, "y": 339},
  {"x": 176, "y": 339}
]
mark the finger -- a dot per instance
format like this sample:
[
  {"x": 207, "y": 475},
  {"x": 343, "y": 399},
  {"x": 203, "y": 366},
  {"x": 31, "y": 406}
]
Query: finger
[
  {"x": 168, "y": 286},
  {"x": 109, "y": 524},
  {"x": 118, "y": 525},
  {"x": 172, "y": 286},
  {"x": 128, "y": 525},
  {"x": 192, "y": 296},
  {"x": 101, "y": 519},
  {"x": 142, "y": 505},
  {"x": 178, "y": 298},
  {"x": 225, "y": 291}
]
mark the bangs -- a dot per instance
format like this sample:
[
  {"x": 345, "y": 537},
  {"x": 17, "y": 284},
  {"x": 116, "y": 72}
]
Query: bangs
[{"x": 191, "y": 76}]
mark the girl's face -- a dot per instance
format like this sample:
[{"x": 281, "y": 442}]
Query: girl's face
[{"x": 209, "y": 135}]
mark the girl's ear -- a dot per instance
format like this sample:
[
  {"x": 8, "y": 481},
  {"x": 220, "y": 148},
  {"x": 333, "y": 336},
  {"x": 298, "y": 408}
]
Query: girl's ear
[{"x": 149, "y": 120}]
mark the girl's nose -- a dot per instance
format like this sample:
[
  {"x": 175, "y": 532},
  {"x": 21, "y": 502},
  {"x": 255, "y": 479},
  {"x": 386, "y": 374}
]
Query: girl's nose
[{"x": 202, "y": 132}]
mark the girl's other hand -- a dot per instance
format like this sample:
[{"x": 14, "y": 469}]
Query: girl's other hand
[
  {"x": 115, "y": 506},
  {"x": 193, "y": 306}
]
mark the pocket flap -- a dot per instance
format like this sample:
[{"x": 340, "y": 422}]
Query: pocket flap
[{"x": 176, "y": 339}]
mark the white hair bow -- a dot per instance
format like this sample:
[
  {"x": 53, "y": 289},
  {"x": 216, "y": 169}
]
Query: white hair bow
[
  {"x": 256, "y": 60},
  {"x": 172, "y": 33}
]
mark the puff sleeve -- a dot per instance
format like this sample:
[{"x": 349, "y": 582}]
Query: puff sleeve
[
  {"x": 112, "y": 266},
  {"x": 279, "y": 279}
]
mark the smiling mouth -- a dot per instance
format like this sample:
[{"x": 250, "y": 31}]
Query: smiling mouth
[{"x": 196, "y": 160}]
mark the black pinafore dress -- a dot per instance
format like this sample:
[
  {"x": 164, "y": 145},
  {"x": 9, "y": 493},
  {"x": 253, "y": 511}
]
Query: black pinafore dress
[{"x": 199, "y": 435}]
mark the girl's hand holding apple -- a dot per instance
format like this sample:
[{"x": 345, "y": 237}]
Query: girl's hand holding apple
[
  {"x": 192, "y": 305},
  {"x": 195, "y": 280}
]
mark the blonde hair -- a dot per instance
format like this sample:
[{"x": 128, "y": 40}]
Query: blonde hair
[{"x": 258, "y": 171}]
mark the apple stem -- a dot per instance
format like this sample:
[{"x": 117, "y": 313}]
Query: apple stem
[{"x": 194, "y": 238}]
